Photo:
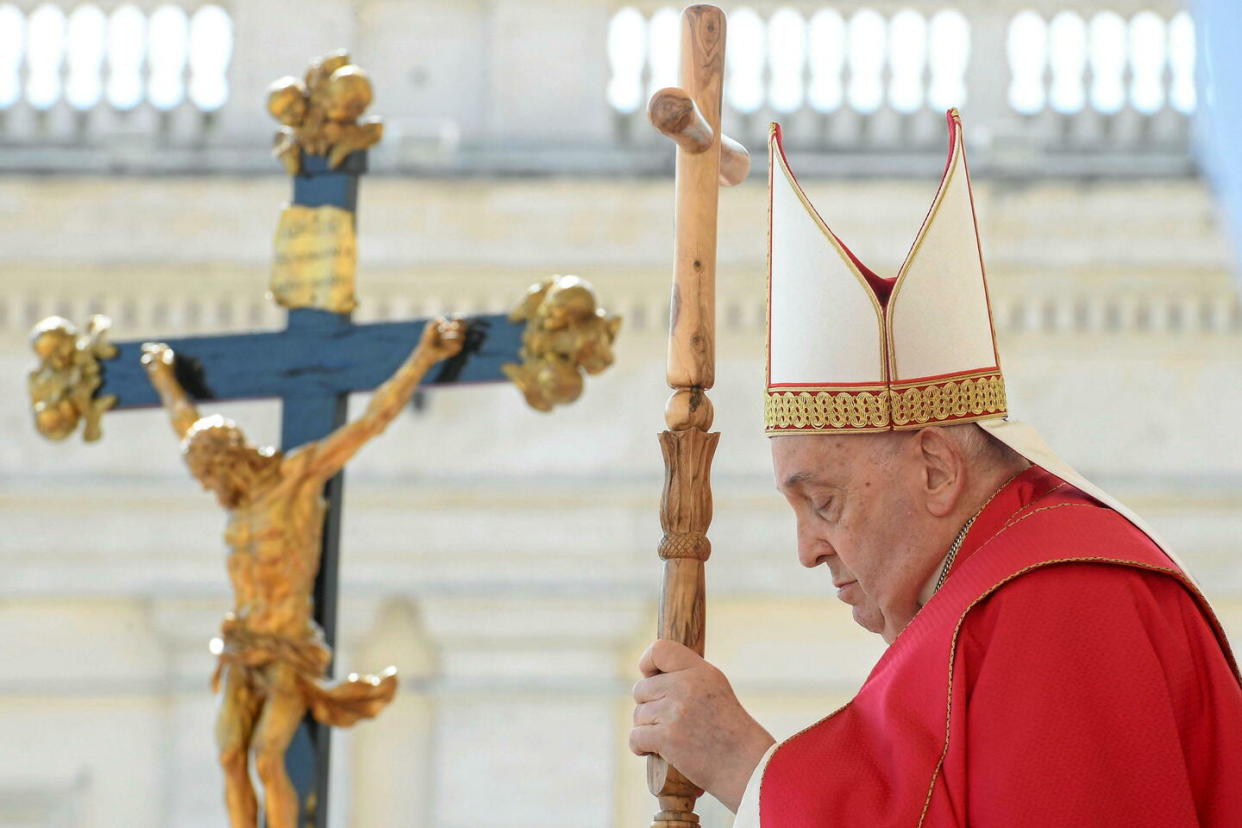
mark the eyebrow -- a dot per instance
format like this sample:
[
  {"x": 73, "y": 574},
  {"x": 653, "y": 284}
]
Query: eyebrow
[{"x": 794, "y": 479}]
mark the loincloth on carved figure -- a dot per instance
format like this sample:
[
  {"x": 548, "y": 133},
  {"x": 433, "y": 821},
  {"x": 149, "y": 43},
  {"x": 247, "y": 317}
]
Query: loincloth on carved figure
[{"x": 334, "y": 703}]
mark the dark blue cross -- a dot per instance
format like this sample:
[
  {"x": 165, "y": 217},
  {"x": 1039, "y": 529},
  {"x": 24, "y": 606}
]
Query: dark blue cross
[{"x": 312, "y": 366}]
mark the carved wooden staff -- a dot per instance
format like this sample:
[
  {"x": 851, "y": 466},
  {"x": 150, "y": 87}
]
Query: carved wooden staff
[{"x": 705, "y": 159}]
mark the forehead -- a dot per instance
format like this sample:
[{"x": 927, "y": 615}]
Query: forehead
[{"x": 800, "y": 459}]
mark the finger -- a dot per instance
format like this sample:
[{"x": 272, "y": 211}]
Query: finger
[
  {"x": 645, "y": 740},
  {"x": 664, "y": 656},
  {"x": 648, "y": 713},
  {"x": 651, "y": 688}
]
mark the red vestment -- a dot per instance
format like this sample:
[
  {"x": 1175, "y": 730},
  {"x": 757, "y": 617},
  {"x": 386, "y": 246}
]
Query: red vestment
[{"x": 1066, "y": 674}]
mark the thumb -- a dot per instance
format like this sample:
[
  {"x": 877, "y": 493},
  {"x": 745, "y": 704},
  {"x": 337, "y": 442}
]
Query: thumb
[{"x": 664, "y": 656}]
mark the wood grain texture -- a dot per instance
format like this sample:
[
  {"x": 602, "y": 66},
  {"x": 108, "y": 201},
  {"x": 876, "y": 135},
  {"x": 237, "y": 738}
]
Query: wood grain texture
[
  {"x": 685, "y": 514},
  {"x": 673, "y": 112},
  {"x": 692, "y": 340},
  {"x": 734, "y": 162}
]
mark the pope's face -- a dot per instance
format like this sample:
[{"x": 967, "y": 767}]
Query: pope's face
[{"x": 856, "y": 514}]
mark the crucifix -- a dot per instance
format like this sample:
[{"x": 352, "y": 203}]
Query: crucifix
[
  {"x": 284, "y": 506},
  {"x": 706, "y": 159}
]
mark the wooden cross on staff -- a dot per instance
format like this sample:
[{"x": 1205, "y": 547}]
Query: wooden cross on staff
[
  {"x": 285, "y": 514},
  {"x": 690, "y": 115}
]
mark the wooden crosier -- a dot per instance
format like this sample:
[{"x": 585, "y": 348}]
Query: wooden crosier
[{"x": 705, "y": 160}]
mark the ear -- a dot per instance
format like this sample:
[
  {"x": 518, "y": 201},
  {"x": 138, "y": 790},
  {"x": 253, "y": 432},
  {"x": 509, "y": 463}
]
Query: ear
[{"x": 942, "y": 472}]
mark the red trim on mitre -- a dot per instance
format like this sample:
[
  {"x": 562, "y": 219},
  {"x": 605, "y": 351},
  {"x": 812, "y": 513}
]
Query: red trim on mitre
[
  {"x": 878, "y": 386},
  {"x": 936, "y": 379}
]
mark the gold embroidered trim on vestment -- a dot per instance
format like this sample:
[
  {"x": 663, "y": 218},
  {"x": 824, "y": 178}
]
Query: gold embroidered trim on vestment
[{"x": 966, "y": 399}]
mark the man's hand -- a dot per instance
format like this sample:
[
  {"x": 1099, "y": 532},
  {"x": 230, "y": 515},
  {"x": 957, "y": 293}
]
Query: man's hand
[{"x": 687, "y": 712}]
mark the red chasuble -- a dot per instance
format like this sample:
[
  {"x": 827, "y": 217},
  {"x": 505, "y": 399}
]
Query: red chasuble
[{"x": 1066, "y": 674}]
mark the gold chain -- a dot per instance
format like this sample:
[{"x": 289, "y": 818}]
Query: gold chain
[{"x": 953, "y": 550}]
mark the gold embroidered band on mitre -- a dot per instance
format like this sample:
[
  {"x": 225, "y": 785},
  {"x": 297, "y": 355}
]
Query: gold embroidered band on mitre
[{"x": 879, "y": 408}]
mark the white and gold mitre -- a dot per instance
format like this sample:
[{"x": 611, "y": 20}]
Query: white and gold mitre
[{"x": 851, "y": 352}]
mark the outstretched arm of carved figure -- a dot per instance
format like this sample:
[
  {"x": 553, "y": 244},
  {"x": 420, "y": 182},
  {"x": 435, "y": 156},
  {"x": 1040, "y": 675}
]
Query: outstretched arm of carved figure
[
  {"x": 158, "y": 359},
  {"x": 441, "y": 339}
]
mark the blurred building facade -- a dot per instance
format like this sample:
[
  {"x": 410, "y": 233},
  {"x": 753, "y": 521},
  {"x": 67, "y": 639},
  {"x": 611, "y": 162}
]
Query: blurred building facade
[{"x": 504, "y": 559}]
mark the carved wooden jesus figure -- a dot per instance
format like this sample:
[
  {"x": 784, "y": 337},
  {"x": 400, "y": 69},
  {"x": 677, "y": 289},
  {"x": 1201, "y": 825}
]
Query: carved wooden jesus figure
[{"x": 272, "y": 656}]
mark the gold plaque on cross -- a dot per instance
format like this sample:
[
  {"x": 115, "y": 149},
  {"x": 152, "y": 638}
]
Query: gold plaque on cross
[{"x": 316, "y": 259}]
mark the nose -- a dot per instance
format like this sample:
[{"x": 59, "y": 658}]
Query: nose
[{"x": 813, "y": 549}]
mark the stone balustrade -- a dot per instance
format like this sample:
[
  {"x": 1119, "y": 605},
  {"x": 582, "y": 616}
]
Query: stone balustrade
[
  {"x": 1088, "y": 77},
  {"x": 1083, "y": 88}
]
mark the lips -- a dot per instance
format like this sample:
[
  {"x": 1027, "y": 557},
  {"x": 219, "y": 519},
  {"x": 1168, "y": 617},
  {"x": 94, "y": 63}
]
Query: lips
[{"x": 843, "y": 591}]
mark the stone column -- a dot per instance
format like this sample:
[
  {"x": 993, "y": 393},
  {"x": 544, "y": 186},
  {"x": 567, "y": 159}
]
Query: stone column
[
  {"x": 381, "y": 769},
  {"x": 525, "y": 708},
  {"x": 193, "y": 795}
]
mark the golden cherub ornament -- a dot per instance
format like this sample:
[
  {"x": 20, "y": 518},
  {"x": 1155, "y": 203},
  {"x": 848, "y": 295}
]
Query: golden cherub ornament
[
  {"x": 566, "y": 333},
  {"x": 321, "y": 113},
  {"x": 63, "y": 385},
  {"x": 272, "y": 656}
]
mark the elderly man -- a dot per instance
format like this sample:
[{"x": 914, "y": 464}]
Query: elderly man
[{"x": 1049, "y": 663}]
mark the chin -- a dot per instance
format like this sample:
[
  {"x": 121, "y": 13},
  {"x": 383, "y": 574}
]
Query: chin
[{"x": 869, "y": 619}]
